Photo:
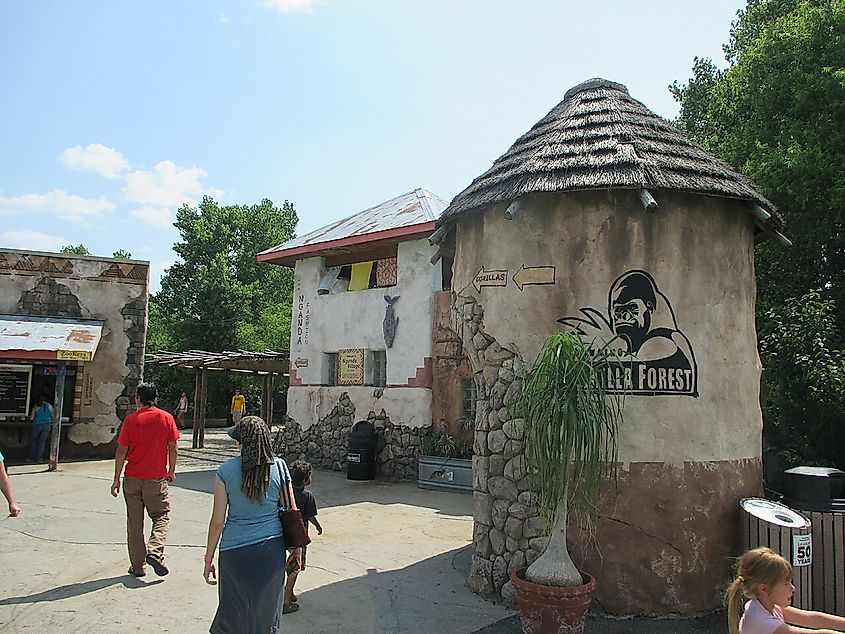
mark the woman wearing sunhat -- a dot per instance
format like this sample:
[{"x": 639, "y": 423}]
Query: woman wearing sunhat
[{"x": 246, "y": 525}]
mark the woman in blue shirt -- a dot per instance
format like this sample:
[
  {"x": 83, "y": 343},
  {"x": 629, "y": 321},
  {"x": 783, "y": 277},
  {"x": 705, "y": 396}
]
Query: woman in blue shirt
[
  {"x": 42, "y": 419},
  {"x": 245, "y": 523}
]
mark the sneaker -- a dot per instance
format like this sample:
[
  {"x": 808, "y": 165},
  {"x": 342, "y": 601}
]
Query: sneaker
[
  {"x": 137, "y": 573},
  {"x": 287, "y": 608},
  {"x": 158, "y": 565}
]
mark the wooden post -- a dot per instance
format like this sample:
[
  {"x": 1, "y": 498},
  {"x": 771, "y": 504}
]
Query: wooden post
[
  {"x": 58, "y": 405},
  {"x": 196, "y": 416},
  {"x": 265, "y": 400},
  {"x": 203, "y": 396},
  {"x": 270, "y": 378}
]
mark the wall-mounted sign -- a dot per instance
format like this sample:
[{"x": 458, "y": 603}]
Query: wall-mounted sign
[
  {"x": 534, "y": 275},
  {"x": 301, "y": 362},
  {"x": 350, "y": 367},
  {"x": 525, "y": 276},
  {"x": 656, "y": 357},
  {"x": 303, "y": 316},
  {"x": 73, "y": 355},
  {"x": 14, "y": 389},
  {"x": 490, "y": 278}
]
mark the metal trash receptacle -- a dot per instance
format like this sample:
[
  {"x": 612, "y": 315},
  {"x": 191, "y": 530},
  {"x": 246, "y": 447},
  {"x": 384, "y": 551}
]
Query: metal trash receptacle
[
  {"x": 788, "y": 533},
  {"x": 361, "y": 452},
  {"x": 819, "y": 493}
]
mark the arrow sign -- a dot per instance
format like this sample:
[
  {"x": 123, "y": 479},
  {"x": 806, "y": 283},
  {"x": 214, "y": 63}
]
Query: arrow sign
[
  {"x": 490, "y": 278},
  {"x": 301, "y": 363},
  {"x": 536, "y": 275}
]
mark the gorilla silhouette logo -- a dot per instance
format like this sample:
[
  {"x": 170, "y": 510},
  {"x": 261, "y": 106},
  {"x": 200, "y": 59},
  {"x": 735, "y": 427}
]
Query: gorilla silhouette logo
[{"x": 657, "y": 358}]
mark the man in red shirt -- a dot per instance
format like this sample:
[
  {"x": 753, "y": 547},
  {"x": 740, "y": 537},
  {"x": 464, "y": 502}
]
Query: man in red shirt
[{"x": 147, "y": 444}]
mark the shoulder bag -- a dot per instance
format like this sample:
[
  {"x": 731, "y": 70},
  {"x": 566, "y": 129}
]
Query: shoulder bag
[{"x": 293, "y": 528}]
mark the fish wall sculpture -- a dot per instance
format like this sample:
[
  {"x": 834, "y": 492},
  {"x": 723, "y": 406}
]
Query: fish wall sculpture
[{"x": 390, "y": 321}]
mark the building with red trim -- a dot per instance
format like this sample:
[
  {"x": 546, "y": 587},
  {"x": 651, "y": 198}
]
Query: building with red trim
[{"x": 361, "y": 345}]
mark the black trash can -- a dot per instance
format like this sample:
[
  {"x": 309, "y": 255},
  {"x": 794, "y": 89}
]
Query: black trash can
[
  {"x": 361, "y": 452},
  {"x": 819, "y": 492}
]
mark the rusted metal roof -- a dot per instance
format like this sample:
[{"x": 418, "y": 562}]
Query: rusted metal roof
[
  {"x": 389, "y": 219},
  {"x": 49, "y": 338}
]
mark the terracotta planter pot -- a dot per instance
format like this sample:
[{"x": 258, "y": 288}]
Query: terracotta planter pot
[{"x": 552, "y": 610}]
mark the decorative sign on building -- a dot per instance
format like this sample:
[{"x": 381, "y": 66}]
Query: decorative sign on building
[
  {"x": 350, "y": 367},
  {"x": 14, "y": 389},
  {"x": 656, "y": 357}
]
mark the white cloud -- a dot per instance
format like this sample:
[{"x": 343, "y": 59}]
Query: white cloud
[
  {"x": 96, "y": 158},
  {"x": 31, "y": 240},
  {"x": 157, "y": 269},
  {"x": 222, "y": 18},
  {"x": 289, "y": 6},
  {"x": 57, "y": 202},
  {"x": 156, "y": 216},
  {"x": 167, "y": 185}
]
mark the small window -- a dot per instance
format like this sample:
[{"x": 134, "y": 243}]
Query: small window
[
  {"x": 331, "y": 368},
  {"x": 379, "y": 368},
  {"x": 470, "y": 398}
]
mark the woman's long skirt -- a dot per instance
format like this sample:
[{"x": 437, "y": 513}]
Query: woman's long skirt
[{"x": 250, "y": 590}]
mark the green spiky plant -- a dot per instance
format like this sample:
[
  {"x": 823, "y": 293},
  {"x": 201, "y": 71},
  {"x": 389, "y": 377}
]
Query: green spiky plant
[{"x": 571, "y": 425}]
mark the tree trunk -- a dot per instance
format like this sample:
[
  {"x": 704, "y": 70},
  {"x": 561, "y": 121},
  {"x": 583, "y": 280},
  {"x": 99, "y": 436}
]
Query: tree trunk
[{"x": 554, "y": 567}]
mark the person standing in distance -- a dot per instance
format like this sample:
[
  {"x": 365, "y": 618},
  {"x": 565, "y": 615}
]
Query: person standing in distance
[
  {"x": 181, "y": 408},
  {"x": 147, "y": 446},
  {"x": 238, "y": 406}
]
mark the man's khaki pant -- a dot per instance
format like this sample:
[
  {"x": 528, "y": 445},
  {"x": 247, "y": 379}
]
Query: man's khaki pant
[{"x": 151, "y": 495}]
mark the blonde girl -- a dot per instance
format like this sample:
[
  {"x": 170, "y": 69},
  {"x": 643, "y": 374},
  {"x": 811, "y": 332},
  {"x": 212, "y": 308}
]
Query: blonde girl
[{"x": 765, "y": 579}]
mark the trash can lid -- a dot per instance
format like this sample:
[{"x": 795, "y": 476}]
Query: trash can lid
[
  {"x": 774, "y": 513},
  {"x": 819, "y": 472}
]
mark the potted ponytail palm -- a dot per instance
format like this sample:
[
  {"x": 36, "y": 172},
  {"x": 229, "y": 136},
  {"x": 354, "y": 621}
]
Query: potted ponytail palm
[{"x": 570, "y": 439}]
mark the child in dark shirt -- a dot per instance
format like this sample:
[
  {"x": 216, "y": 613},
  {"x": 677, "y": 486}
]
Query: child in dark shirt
[{"x": 301, "y": 477}]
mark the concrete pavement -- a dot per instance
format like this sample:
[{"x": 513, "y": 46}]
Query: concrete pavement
[{"x": 393, "y": 558}]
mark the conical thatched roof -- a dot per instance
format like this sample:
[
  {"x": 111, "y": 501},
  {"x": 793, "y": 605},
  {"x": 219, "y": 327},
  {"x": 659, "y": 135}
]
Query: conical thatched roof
[{"x": 599, "y": 137}]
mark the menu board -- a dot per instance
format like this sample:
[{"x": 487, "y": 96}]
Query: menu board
[
  {"x": 350, "y": 367},
  {"x": 14, "y": 389}
]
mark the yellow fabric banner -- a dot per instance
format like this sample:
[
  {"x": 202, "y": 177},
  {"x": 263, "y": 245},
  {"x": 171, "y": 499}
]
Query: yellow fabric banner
[{"x": 361, "y": 276}]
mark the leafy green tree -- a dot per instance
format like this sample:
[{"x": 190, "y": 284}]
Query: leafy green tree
[
  {"x": 804, "y": 350},
  {"x": 218, "y": 296},
  {"x": 120, "y": 254},
  {"x": 79, "y": 249},
  {"x": 777, "y": 114}
]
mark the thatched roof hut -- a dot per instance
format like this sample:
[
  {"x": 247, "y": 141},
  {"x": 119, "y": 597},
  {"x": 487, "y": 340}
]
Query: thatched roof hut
[
  {"x": 553, "y": 237},
  {"x": 599, "y": 137}
]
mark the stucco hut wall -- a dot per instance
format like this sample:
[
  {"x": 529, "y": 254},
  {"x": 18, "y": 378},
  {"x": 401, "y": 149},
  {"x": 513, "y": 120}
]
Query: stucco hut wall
[
  {"x": 353, "y": 319},
  {"x": 666, "y": 541},
  {"x": 320, "y": 415},
  {"x": 700, "y": 252},
  {"x": 109, "y": 379}
]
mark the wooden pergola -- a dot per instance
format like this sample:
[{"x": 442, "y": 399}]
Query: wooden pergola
[{"x": 268, "y": 365}]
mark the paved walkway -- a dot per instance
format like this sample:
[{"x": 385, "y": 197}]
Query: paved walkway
[{"x": 392, "y": 558}]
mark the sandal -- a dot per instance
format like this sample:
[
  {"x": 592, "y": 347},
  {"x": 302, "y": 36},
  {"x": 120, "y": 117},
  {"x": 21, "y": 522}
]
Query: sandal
[
  {"x": 287, "y": 608},
  {"x": 137, "y": 573}
]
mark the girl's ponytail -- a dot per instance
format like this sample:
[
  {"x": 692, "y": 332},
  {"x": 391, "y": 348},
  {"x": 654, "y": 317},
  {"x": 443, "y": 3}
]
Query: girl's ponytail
[{"x": 734, "y": 599}]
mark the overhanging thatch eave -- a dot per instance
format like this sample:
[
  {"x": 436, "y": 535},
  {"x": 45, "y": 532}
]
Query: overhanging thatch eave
[{"x": 599, "y": 137}]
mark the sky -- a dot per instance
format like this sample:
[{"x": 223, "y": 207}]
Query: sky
[{"x": 114, "y": 114}]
